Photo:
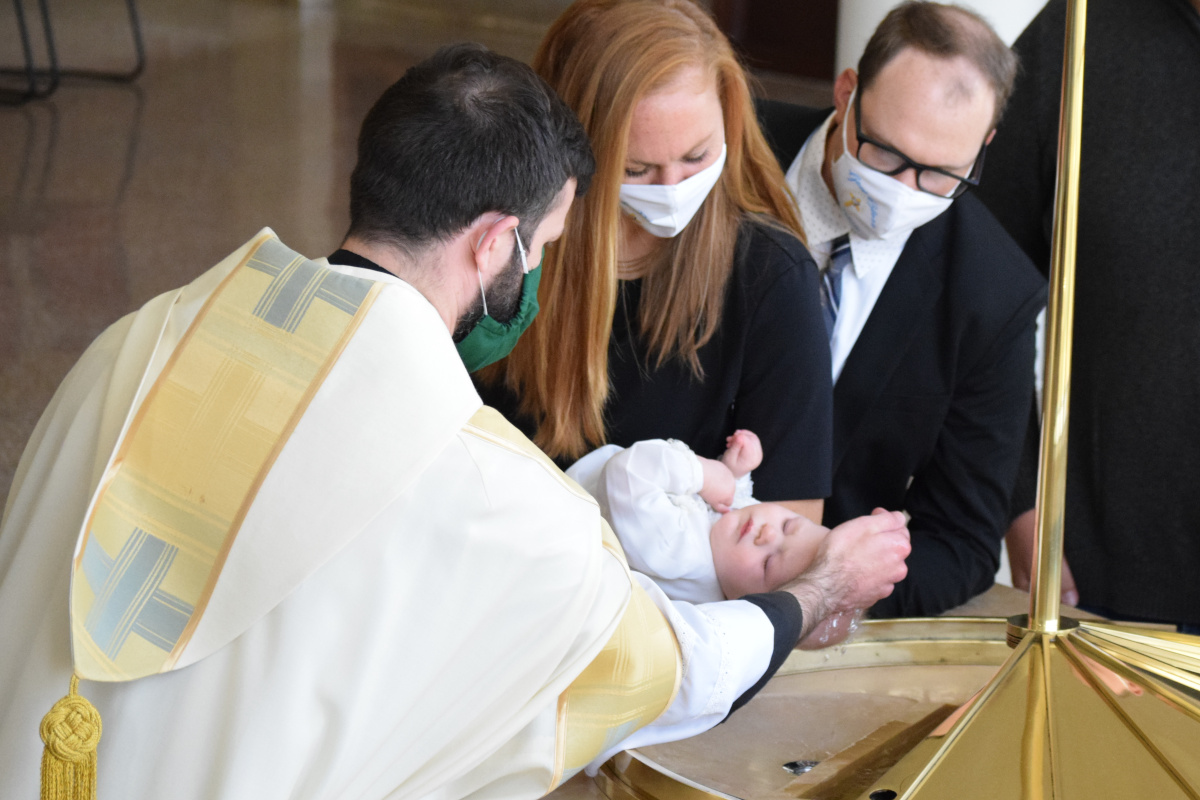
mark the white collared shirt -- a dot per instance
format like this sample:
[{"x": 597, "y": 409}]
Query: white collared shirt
[{"x": 823, "y": 222}]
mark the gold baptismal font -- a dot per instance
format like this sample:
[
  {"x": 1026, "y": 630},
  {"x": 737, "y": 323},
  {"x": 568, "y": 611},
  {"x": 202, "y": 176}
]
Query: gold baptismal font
[{"x": 1033, "y": 706}]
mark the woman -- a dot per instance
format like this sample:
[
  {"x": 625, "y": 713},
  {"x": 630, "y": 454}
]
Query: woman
[{"x": 680, "y": 301}]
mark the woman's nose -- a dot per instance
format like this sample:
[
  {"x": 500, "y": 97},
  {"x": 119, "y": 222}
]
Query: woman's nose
[
  {"x": 677, "y": 172},
  {"x": 673, "y": 174}
]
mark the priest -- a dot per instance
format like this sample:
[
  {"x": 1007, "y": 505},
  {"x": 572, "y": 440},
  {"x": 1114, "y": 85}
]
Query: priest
[{"x": 267, "y": 542}]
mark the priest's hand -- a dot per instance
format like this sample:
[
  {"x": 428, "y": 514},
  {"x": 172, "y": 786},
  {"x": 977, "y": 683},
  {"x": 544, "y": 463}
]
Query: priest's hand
[{"x": 858, "y": 563}]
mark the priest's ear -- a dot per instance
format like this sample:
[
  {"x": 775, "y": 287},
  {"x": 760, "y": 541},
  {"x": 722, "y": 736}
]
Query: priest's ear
[{"x": 495, "y": 239}]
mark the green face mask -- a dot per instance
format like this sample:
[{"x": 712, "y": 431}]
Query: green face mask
[{"x": 489, "y": 341}]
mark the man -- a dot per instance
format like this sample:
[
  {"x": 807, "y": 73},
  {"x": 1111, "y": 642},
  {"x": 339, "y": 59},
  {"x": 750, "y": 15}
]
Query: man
[
  {"x": 1132, "y": 538},
  {"x": 930, "y": 306},
  {"x": 307, "y": 562}
]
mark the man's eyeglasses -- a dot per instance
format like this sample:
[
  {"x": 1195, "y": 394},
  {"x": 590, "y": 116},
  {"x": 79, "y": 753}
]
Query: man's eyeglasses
[{"x": 889, "y": 161}]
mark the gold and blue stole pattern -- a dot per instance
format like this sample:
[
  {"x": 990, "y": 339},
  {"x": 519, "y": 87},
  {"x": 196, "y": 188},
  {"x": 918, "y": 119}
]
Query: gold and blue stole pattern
[{"x": 187, "y": 471}]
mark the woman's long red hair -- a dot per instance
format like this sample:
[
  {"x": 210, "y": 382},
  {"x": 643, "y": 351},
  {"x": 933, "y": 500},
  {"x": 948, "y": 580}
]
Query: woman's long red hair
[{"x": 602, "y": 57}]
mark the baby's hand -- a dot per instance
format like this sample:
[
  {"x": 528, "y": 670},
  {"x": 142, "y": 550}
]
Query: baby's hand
[
  {"x": 743, "y": 452},
  {"x": 719, "y": 485}
]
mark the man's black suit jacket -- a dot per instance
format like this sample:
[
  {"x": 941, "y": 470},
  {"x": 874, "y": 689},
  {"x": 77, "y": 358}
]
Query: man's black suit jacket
[{"x": 930, "y": 409}]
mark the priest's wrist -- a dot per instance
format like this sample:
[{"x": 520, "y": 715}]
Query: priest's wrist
[{"x": 814, "y": 599}]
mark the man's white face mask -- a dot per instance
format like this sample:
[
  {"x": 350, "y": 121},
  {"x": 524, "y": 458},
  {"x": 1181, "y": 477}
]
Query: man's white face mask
[
  {"x": 877, "y": 205},
  {"x": 666, "y": 210}
]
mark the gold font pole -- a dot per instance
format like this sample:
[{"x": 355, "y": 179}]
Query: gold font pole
[{"x": 1046, "y": 583}]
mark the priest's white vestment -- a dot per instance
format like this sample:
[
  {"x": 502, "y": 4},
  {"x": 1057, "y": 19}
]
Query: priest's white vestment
[{"x": 379, "y": 590}]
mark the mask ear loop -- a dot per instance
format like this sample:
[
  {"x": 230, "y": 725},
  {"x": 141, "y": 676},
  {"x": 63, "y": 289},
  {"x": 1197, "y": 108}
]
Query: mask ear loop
[
  {"x": 479, "y": 274},
  {"x": 521, "y": 250},
  {"x": 845, "y": 124}
]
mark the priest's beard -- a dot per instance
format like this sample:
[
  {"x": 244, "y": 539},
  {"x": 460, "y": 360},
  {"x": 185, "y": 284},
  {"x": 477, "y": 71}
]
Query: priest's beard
[{"x": 503, "y": 299}]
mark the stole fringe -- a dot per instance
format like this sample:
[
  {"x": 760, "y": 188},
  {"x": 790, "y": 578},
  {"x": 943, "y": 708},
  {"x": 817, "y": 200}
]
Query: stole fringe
[{"x": 71, "y": 732}]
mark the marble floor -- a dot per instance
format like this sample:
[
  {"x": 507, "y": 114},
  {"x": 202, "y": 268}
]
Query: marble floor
[{"x": 245, "y": 117}]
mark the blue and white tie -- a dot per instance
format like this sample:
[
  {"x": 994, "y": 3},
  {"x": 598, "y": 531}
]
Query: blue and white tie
[{"x": 831, "y": 281}]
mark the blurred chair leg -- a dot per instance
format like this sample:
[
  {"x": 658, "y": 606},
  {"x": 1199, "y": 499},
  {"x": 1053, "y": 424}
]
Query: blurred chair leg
[
  {"x": 39, "y": 82},
  {"x": 139, "y": 52}
]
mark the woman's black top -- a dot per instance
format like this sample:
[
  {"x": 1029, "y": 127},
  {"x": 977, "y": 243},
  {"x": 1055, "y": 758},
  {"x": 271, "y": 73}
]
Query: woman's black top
[{"x": 766, "y": 369}]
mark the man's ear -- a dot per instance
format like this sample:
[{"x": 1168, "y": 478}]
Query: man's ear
[
  {"x": 843, "y": 87},
  {"x": 493, "y": 242}
]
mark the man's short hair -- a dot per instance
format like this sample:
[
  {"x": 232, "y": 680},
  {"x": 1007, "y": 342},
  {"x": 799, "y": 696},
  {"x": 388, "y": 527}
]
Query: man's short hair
[
  {"x": 463, "y": 133},
  {"x": 943, "y": 31}
]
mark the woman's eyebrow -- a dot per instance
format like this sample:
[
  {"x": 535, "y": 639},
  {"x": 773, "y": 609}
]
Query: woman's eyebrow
[{"x": 702, "y": 143}]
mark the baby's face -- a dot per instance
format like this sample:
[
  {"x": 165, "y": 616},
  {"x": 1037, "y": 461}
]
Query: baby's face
[{"x": 757, "y": 549}]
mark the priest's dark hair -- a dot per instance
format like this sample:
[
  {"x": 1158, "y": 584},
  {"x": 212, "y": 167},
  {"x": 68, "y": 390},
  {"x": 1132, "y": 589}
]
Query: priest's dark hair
[{"x": 465, "y": 132}]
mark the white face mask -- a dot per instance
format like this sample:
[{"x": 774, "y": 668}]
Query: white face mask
[
  {"x": 877, "y": 205},
  {"x": 666, "y": 210}
]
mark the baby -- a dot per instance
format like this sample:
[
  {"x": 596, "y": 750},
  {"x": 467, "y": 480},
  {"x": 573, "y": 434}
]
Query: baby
[{"x": 691, "y": 524}]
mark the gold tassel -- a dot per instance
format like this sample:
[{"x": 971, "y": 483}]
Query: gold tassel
[{"x": 71, "y": 732}]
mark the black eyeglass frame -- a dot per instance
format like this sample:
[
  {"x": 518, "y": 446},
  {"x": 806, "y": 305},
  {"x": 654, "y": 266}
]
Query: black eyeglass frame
[{"x": 964, "y": 183}]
